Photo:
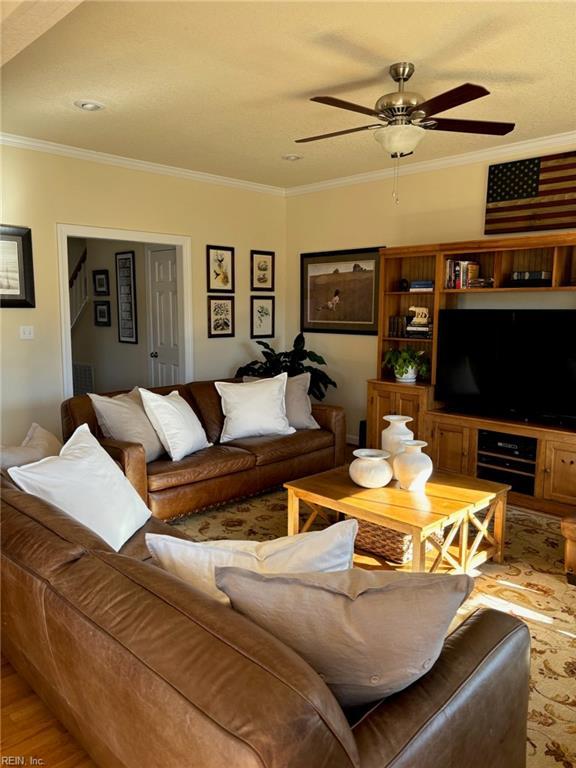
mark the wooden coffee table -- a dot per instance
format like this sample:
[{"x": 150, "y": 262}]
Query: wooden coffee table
[{"x": 449, "y": 506}]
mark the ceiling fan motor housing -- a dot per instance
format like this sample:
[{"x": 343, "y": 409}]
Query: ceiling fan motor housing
[{"x": 397, "y": 105}]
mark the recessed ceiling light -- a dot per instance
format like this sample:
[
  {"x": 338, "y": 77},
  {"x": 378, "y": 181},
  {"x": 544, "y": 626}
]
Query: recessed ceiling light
[
  {"x": 89, "y": 106},
  {"x": 292, "y": 158}
]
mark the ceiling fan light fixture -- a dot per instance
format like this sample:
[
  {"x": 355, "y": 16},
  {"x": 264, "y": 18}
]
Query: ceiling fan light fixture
[{"x": 399, "y": 140}]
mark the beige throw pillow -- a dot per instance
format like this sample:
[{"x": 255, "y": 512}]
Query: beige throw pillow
[
  {"x": 367, "y": 633},
  {"x": 298, "y": 403},
  {"x": 38, "y": 444},
  {"x": 123, "y": 417}
]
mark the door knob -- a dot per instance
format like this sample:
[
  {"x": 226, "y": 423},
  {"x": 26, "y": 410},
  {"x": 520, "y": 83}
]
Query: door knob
[{"x": 153, "y": 354}]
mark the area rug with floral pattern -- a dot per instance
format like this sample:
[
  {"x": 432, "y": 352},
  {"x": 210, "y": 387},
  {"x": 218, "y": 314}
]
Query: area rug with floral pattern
[{"x": 530, "y": 584}]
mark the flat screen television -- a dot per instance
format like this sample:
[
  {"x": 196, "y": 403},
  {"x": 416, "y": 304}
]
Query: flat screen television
[{"x": 517, "y": 364}]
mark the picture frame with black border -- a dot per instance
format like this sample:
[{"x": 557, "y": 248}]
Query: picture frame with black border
[
  {"x": 220, "y": 268},
  {"x": 101, "y": 282},
  {"x": 16, "y": 268},
  {"x": 221, "y": 320},
  {"x": 262, "y": 269},
  {"x": 126, "y": 298},
  {"x": 339, "y": 291},
  {"x": 102, "y": 316},
  {"x": 262, "y": 317}
]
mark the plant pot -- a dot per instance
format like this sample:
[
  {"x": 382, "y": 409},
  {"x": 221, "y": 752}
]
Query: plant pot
[
  {"x": 370, "y": 468},
  {"x": 394, "y": 435},
  {"x": 409, "y": 377},
  {"x": 412, "y": 467}
]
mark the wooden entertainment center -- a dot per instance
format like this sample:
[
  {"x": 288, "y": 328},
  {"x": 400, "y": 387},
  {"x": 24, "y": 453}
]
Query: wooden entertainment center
[{"x": 460, "y": 443}]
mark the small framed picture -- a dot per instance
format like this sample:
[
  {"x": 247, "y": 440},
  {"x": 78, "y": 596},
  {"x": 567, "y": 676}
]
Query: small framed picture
[
  {"x": 102, "y": 313},
  {"x": 262, "y": 270},
  {"x": 16, "y": 267},
  {"x": 101, "y": 282},
  {"x": 126, "y": 298},
  {"x": 261, "y": 317},
  {"x": 220, "y": 316},
  {"x": 220, "y": 269}
]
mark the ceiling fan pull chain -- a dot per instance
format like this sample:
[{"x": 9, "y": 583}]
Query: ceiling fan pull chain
[{"x": 395, "y": 195}]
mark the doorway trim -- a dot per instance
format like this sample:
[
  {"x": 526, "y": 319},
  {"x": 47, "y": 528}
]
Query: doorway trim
[{"x": 184, "y": 257}]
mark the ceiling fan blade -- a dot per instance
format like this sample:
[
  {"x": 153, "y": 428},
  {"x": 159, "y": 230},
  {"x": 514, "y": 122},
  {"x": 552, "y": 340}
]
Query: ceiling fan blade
[
  {"x": 473, "y": 126},
  {"x": 449, "y": 99},
  {"x": 337, "y": 133},
  {"x": 332, "y": 102}
]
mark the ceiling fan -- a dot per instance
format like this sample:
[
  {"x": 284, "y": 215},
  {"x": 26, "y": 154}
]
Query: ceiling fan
[{"x": 405, "y": 116}]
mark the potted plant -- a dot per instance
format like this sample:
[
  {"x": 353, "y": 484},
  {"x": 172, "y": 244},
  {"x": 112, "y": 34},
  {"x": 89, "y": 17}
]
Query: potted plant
[
  {"x": 291, "y": 361},
  {"x": 407, "y": 363}
]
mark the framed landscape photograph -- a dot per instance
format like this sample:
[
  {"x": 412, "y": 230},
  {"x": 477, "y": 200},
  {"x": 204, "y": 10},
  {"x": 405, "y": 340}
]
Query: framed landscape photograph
[
  {"x": 262, "y": 270},
  {"x": 220, "y": 268},
  {"x": 16, "y": 267},
  {"x": 339, "y": 291},
  {"x": 261, "y": 317},
  {"x": 126, "y": 296},
  {"x": 220, "y": 316},
  {"x": 101, "y": 282},
  {"x": 102, "y": 313}
]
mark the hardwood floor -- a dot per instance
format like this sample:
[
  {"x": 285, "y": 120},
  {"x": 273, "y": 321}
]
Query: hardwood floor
[{"x": 29, "y": 730}]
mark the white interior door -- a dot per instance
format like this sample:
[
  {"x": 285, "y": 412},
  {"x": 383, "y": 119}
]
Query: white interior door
[{"x": 163, "y": 316}]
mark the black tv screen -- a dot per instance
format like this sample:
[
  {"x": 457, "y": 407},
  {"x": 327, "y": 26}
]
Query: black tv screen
[{"x": 509, "y": 363}]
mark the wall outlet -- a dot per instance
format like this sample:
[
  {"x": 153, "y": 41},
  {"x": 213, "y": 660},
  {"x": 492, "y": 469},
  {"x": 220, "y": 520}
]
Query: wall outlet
[{"x": 27, "y": 332}]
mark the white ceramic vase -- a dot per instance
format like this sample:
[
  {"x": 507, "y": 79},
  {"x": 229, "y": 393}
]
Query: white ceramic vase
[
  {"x": 370, "y": 468},
  {"x": 407, "y": 378},
  {"x": 394, "y": 436},
  {"x": 412, "y": 467}
]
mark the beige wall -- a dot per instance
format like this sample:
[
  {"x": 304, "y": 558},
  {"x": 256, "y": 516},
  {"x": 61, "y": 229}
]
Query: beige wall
[
  {"x": 437, "y": 206},
  {"x": 116, "y": 365},
  {"x": 41, "y": 190}
]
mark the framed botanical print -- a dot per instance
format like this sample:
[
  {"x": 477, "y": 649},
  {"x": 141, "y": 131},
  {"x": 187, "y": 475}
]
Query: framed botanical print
[
  {"x": 220, "y": 316},
  {"x": 339, "y": 291},
  {"x": 261, "y": 317},
  {"x": 102, "y": 313},
  {"x": 101, "y": 282},
  {"x": 220, "y": 269},
  {"x": 126, "y": 296},
  {"x": 16, "y": 267},
  {"x": 262, "y": 270}
]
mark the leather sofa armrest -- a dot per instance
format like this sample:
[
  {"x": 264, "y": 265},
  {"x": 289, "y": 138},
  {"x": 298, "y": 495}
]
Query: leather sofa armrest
[
  {"x": 469, "y": 710},
  {"x": 132, "y": 460},
  {"x": 333, "y": 418}
]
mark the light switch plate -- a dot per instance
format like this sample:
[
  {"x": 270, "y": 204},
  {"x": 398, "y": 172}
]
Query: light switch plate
[{"x": 27, "y": 332}]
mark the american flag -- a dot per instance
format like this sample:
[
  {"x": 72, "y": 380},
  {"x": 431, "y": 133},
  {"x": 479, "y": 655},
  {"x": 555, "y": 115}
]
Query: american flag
[{"x": 534, "y": 194}]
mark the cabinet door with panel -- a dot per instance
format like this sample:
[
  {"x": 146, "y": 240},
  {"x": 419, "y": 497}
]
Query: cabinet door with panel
[
  {"x": 450, "y": 447},
  {"x": 380, "y": 404},
  {"x": 560, "y": 471}
]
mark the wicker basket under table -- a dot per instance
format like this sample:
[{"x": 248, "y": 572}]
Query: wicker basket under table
[{"x": 386, "y": 543}]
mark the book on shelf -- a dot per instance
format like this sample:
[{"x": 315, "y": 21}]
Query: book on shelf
[
  {"x": 534, "y": 275},
  {"x": 458, "y": 273},
  {"x": 421, "y": 286}
]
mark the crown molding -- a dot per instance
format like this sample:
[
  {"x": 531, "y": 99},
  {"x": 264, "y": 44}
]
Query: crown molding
[
  {"x": 492, "y": 154},
  {"x": 543, "y": 144},
  {"x": 50, "y": 147}
]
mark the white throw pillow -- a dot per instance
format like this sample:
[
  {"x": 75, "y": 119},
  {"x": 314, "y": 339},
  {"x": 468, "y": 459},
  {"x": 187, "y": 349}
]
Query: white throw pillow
[
  {"x": 367, "y": 633},
  {"x": 298, "y": 403},
  {"x": 123, "y": 417},
  {"x": 331, "y": 549},
  {"x": 38, "y": 444},
  {"x": 176, "y": 424},
  {"x": 255, "y": 408},
  {"x": 86, "y": 483}
]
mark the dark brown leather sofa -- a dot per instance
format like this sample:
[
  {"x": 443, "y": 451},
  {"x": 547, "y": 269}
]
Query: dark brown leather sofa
[
  {"x": 146, "y": 672},
  {"x": 222, "y": 472}
]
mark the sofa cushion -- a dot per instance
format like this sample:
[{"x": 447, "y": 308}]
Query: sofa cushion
[
  {"x": 216, "y": 461},
  {"x": 269, "y": 449},
  {"x": 86, "y": 483},
  {"x": 207, "y": 404},
  {"x": 136, "y": 547},
  {"x": 368, "y": 634}
]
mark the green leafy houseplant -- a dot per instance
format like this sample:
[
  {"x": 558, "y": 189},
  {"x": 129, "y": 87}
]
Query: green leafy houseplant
[
  {"x": 401, "y": 360},
  {"x": 291, "y": 361}
]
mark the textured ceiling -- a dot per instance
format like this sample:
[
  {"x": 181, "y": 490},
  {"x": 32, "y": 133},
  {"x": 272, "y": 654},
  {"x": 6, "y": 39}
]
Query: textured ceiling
[{"x": 223, "y": 88}]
